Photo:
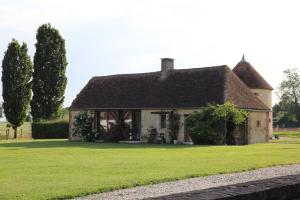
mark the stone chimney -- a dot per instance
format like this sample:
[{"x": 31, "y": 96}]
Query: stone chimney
[{"x": 167, "y": 65}]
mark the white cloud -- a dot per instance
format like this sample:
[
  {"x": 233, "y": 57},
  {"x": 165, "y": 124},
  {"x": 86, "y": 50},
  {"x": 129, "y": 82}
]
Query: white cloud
[
  {"x": 134, "y": 34},
  {"x": 24, "y": 15}
]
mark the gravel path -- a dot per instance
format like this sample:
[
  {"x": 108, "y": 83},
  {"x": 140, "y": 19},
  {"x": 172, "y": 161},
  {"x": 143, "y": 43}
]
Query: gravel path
[{"x": 191, "y": 184}]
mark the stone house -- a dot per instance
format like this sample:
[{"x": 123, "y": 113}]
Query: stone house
[{"x": 146, "y": 99}]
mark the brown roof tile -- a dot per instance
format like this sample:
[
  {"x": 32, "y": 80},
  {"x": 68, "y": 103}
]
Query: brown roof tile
[
  {"x": 183, "y": 88},
  {"x": 237, "y": 92},
  {"x": 246, "y": 72}
]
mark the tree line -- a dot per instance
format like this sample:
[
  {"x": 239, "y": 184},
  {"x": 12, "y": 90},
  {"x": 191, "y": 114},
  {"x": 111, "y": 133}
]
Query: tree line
[
  {"x": 37, "y": 88},
  {"x": 286, "y": 113}
]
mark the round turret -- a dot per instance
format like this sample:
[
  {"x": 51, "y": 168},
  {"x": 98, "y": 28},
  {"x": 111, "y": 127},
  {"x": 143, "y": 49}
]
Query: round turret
[{"x": 258, "y": 85}]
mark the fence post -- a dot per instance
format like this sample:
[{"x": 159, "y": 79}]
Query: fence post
[
  {"x": 7, "y": 133},
  {"x": 21, "y": 134}
]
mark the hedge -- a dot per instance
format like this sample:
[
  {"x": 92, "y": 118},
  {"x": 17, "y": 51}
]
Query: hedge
[{"x": 50, "y": 130}]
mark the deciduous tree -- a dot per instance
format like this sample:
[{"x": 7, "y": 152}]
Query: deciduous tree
[{"x": 287, "y": 111}]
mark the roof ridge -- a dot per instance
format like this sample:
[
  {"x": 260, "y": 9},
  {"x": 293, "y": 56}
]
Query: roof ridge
[
  {"x": 154, "y": 72},
  {"x": 120, "y": 75},
  {"x": 200, "y": 68}
]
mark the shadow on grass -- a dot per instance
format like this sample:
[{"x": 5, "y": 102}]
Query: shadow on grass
[{"x": 66, "y": 144}]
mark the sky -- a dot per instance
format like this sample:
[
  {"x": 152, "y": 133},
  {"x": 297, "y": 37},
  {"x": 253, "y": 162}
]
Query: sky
[{"x": 130, "y": 36}]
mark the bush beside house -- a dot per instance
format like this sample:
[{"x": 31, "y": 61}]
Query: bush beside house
[{"x": 217, "y": 124}]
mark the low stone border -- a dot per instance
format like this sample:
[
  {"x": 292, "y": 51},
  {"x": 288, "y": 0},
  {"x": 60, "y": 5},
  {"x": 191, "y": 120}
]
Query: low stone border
[
  {"x": 283, "y": 188},
  {"x": 192, "y": 184}
]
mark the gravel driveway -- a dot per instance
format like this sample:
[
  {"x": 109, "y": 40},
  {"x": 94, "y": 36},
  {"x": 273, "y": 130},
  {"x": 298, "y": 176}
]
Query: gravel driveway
[{"x": 199, "y": 183}]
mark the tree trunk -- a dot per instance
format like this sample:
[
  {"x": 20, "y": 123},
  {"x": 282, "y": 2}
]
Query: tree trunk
[
  {"x": 225, "y": 132},
  {"x": 15, "y": 132}
]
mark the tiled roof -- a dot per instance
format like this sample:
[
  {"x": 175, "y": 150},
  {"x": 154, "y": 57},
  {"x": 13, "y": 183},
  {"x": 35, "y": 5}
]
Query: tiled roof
[
  {"x": 182, "y": 88},
  {"x": 246, "y": 72}
]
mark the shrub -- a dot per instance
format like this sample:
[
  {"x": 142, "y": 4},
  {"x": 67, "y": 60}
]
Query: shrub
[
  {"x": 50, "y": 130},
  {"x": 229, "y": 115},
  {"x": 211, "y": 124},
  {"x": 83, "y": 126},
  {"x": 202, "y": 128}
]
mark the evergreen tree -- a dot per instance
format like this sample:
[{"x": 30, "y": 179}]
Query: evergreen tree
[
  {"x": 49, "y": 79},
  {"x": 16, "y": 77},
  {"x": 1, "y": 110}
]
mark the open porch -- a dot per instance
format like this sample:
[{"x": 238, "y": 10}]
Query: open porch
[{"x": 117, "y": 125}]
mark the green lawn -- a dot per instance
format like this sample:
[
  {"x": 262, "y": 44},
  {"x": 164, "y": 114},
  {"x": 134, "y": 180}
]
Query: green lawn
[
  {"x": 55, "y": 169},
  {"x": 289, "y": 134}
]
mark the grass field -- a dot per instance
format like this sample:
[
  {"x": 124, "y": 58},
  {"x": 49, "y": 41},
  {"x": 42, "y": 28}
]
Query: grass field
[
  {"x": 289, "y": 134},
  {"x": 56, "y": 169},
  {"x": 286, "y": 141}
]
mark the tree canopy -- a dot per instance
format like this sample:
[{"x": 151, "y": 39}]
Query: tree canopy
[
  {"x": 49, "y": 79},
  {"x": 16, "y": 82},
  {"x": 289, "y": 89},
  {"x": 287, "y": 111}
]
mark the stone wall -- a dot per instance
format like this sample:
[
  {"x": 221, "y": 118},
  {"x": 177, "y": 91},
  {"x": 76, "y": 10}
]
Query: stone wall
[
  {"x": 277, "y": 129},
  {"x": 258, "y": 127},
  {"x": 266, "y": 97},
  {"x": 281, "y": 188},
  {"x": 257, "y": 134}
]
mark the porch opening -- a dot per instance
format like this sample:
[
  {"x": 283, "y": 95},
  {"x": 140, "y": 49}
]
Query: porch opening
[{"x": 118, "y": 125}]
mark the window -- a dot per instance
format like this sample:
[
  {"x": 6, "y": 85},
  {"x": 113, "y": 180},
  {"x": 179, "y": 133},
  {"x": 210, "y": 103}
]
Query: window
[
  {"x": 258, "y": 124},
  {"x": 163, "y": 121}
]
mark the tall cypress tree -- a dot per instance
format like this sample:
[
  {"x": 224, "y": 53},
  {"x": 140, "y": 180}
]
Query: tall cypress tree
[
  {"x": 49, "y": 79},
  {"x": 16, "y": 83}
]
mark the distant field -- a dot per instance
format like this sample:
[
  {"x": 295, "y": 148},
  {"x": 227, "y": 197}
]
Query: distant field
[
  {"x": 288, "y": 134},
  {"x": 25, "y": 129}
]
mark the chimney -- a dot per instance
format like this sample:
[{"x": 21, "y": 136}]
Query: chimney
[{"x": 167, "y": 65}]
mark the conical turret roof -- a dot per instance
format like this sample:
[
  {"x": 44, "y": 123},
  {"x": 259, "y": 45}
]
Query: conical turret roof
[{"x": 246, "y": 72}]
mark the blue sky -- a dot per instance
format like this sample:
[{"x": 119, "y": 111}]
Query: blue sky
[{"x": 130, "y": 36}]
